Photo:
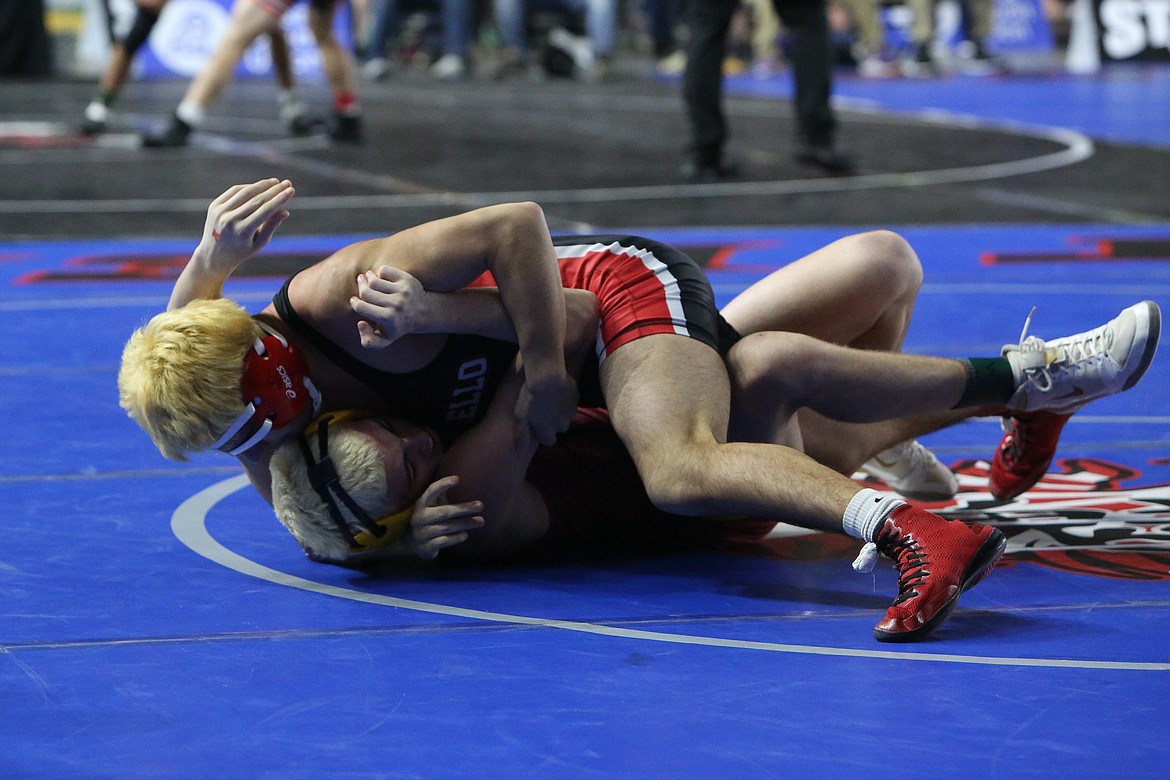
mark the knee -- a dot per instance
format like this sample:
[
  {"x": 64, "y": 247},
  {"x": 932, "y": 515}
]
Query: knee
[
  {"x": 892, "y": 266},
  {"x": 677, "y": 483},
  {"x": 769, "y": 364}
]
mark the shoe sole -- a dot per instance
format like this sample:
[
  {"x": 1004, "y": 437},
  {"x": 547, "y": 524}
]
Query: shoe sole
[
  {"x": 1153, "y": 336},
  {"x": 977, "y": 570}
]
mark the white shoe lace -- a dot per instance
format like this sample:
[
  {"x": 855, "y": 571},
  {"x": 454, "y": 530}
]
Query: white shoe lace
[{"x": 1037, "y": 358}]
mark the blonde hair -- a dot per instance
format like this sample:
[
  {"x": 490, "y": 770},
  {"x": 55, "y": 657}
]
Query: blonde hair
[
  {"x": 359, "y": 468},
  {"x": 181, "y": 372}
]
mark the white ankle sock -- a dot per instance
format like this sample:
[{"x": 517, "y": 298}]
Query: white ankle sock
[
  {"x": 864, "y": 515},
  {"x": 191, "y": 113},
  {"x": 867, "y": 511}
]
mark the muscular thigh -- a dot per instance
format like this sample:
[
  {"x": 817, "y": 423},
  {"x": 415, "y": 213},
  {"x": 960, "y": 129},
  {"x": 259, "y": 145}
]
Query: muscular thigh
[{"x": 666, "y": 394}]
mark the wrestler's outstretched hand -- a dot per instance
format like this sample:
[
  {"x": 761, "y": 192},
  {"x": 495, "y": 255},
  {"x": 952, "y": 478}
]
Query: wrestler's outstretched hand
[
  {"x": 390, "y": 303},
  {"x": 241, "y": 221},
  {"x": 436, "y": 524}
]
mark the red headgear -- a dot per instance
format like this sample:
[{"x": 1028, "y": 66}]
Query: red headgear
[{"x": 275, "y": 388}]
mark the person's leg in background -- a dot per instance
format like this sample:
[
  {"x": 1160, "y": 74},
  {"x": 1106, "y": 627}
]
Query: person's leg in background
[
  {"x": 97, "y": 113},
  {"x": 870, "y": 47},
  {"x": 812, "y": 65},
  {"x": 340, "y": 71},
  {"x": 510, "y": 17},
  {"x": 922, "y": 37},
  {"x": 377, "y": 50},
  {"x": 249, "y": 20},
  {"x": 457, "y": 26},
  {"x": 707, "y": 23},
  {"x": 293, "y": 111}
]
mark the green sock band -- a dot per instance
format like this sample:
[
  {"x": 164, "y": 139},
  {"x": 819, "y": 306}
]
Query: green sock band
[
  {"x": 989, "y": 381},
  {"x": 106, "y": 97}
]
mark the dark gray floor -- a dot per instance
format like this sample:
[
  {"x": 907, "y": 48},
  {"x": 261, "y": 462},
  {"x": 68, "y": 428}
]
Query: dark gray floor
[{"x": 594, "y": 155}]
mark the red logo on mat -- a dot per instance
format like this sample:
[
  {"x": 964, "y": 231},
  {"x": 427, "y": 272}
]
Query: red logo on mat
[{"x": 1078, "y": 518}]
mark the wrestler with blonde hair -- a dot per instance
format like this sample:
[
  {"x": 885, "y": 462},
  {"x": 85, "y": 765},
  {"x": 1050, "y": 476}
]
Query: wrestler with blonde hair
[
  {"x": 180, "y": 377},
  {"x": 661, "y": 349}
]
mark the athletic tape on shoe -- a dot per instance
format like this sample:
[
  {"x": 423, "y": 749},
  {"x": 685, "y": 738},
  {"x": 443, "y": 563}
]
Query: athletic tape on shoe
[{"x": 275, "y": 388}]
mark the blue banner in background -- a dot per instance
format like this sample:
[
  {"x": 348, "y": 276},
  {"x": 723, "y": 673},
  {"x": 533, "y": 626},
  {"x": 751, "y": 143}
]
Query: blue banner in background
[
  {"x": 1018, "y": 26},
  {"x": 189, "y": 30}
]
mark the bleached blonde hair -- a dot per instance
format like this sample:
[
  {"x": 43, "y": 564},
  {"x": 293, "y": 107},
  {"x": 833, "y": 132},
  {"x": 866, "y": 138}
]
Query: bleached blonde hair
[
  {"x": 298, "y": 507},
  {"x": 181, "y": 372}
]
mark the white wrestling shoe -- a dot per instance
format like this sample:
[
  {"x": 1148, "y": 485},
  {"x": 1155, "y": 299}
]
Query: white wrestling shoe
[
  {"x": 913, "y": 471},
  {"x": 1065, "y": 374}
]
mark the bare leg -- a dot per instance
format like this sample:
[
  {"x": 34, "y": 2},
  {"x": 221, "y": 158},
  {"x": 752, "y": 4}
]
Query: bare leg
[
  {"x": 293, "y": 111},
  {"x": 850, "y": 385},
  {"x": 249, "y": 21},
  {"x": 281, "y": 59},
  {"x": 846, "y": 446},
  {"x": 118, "y": 68},
  {"x": 336, "y": 61},
  {"x": 669, "y": 397},
  {"x": 340, "y": 71},
  {"x": 858, "y": 291}
]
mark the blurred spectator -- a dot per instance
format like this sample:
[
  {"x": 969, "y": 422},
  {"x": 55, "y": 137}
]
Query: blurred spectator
[
  {"x": 25, "y": 48},
  {"x": 591, "y": 57},
  {"x": 251, "y": 19},
  {"x": 662, "y": 18},
  {"x": 977, "y": 18},
  {"x": 869, "y": 45},
  {"x": 767, "y": 59},
  {"x": 455, "y": 21},
  {"x": 293, "y": 111},
  {"x": 808, "y": 29}
]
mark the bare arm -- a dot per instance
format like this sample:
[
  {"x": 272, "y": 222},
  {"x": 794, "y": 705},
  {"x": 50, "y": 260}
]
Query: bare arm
[
  {"x": 239, "y": 224},
  {"x": 494, "y": 471},
  {"x": 512, "y": 242},
  {"x": 489, "y": 509}
]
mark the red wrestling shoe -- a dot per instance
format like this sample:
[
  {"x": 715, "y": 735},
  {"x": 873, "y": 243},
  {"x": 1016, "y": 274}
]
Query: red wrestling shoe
[
  {"x": 937, "y": 561},
  {"x": 1025, "y": 452}
]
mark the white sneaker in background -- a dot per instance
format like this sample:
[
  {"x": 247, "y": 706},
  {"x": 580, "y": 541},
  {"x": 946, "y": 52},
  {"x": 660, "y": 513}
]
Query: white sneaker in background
[
  {"x": 449, "y": 67},
  {"x": 376, "y": 69},
  {"x": 913, "y": 471}
]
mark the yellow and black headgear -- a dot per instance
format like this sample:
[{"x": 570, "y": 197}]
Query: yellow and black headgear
[{"x": 327, "y": 484}]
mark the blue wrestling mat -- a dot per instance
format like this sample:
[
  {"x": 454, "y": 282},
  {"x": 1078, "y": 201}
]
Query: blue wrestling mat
[{"x": 158, "y": 621}]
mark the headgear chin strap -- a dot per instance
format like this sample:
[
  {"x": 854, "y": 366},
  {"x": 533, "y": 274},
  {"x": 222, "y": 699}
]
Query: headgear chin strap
[
  {"x": 276, "y": 390},
  {"x": 327, "y": 484}
]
